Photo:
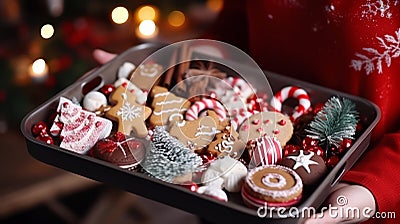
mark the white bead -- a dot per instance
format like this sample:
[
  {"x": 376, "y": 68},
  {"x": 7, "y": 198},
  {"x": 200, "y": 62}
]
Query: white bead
[{"x": 125, "y": 70}]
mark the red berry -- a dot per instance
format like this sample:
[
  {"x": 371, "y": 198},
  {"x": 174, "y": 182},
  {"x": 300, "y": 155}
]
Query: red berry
[
  {"x": 332, "y": 161},
  {"x": 317, "y": 150},
  {"x": 39, "y": 129},
  {"x": 45, "y": 138},
  {"x": 346, "y": 143},
  {"x": 107, "y": 89},
  {"x": 288, "y": 149},
  {"x": 309, "y": 142}
]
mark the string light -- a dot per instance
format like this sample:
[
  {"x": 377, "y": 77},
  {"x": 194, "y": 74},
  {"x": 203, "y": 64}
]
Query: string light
[
  {"x": 39, "y": 70},
  {"x": 147, "y": 12},
  {"x": 47, "y": 31},
  {"x": 176, "y": 18},
  {"x": 147, "y": 29},
  {"x": 119, "y": 15}
]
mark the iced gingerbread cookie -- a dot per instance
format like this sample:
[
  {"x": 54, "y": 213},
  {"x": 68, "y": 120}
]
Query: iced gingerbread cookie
[
  {"x": 227, "y": 142},
  {"x": 166, "y": 106},
  {"x": 128, "y": 113},
  {"x": 278, "y": 186},
  {"x": 79, "y": 129},
  {"x": 146, "y": 75},
  {"x": 196, "y": 134},
  {"x": 272, "y": 124}
]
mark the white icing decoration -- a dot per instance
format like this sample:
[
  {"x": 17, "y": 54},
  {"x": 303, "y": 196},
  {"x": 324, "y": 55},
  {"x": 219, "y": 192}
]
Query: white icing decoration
[
  {"x": 202, "y": 130},
  {"x": 161, "y": 94},
  {"x": 303, "y": 161},
  {"x": 374, "y": 59},
  {"x": 267, "y": 180},
  {"x": 169, "y": 102},
  {"x": 148, "y": 72},
  {"x": 128, "y": 111},
  {"x": 226, "y": 145}
]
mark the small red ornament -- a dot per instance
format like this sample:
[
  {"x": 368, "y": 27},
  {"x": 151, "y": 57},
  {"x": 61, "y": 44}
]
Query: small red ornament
[
  {"x": 317, "y": 108},
  {"x": 192, "y": 186},
  {"x": 39, "y": 129},
  {"x": 46, "y": 138},
  {"x": 288, "y": 149},
  {"x": 107, "y": 89},
  {"x": 346, "y": 143},
  {"x": 309, "y": 142},
  {"x": 317, "y": 150},
  {"x": 332, "y": 161}
]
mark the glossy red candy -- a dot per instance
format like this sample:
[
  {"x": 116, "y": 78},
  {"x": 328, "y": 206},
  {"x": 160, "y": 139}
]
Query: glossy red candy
[{"x": 39, "y": 129}]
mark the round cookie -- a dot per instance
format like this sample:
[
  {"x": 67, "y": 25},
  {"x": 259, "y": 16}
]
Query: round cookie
[
  {"x": 275, "y": 185},
  {"x": 308, "y": 165},
  {"x": 268, "y": 123},
  {"x": 125, "y": 153}
]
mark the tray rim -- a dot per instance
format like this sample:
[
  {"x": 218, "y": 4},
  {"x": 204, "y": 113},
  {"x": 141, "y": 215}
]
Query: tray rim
[{"x": 239, "y": 208}]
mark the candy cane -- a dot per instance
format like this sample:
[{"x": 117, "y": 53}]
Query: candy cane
[
  {"x": 292, "y": 92},
  {"x": 193, "y": 112}
]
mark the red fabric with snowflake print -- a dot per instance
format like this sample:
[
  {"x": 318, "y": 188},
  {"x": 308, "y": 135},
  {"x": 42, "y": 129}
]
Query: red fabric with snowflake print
[{"x": 350, "y": 46}]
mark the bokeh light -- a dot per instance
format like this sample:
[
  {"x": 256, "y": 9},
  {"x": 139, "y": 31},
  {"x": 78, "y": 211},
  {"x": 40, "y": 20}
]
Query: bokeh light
[
  {"x": 39, "y": 69},
  {"x": 176, "y": 18},
  {"x": 147, "y": 28},
  {"x": 215, "y": 5},
  {"x": 47, "y": 31},
  {"x": 119, "y": 15},
  {"x": 146, "y": 13}
]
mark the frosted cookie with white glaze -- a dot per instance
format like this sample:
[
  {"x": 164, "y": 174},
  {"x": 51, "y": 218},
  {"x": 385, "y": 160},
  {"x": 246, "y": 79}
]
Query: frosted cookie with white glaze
[{"x": 278, "y": 186}]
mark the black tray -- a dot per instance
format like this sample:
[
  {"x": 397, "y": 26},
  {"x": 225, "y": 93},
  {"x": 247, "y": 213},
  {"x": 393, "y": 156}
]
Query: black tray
[{"x": 205, "y": 207}]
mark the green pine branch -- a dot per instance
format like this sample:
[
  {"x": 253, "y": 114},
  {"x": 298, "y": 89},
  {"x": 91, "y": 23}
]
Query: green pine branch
[{"x": 336, "y": 121}]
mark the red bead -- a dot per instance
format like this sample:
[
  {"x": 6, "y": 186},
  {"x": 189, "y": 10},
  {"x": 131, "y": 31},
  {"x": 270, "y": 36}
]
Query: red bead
[
  {"x": 288, "y": 149},
  {"x": 45, "y": 138},
  {"x": 107, "y": 89},
  {"x": 332, "y": 161},
  {"x": 309, "y": 142},
  {"x": 346, "y": 143},
  {"x": 39, "y": 129},
  {"x": 192, "y": 186},
  {"x": 336, "y": 150},
  {"x": 317, "y": 150}
]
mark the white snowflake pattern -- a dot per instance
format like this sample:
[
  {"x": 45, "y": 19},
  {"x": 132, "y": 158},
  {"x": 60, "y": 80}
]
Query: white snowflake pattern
[
  {"x": 129, "y": 112},
  {"x": 377, "y": 7},
  {"x": 373, "y": 59}
]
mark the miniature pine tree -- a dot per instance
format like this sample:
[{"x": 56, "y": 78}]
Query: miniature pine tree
[
  {"x": 336, "y": 121},
  {"x": 168, "y": 157}
]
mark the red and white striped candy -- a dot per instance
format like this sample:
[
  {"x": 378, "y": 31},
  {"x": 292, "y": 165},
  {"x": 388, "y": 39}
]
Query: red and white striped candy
[
  {"x": 264, "y": 150},
  {"x": 193, "y": 112},
  {"x": 292, "y": 92}
]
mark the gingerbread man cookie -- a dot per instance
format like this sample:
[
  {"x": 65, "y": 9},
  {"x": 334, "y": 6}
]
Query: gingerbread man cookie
[
  {"x": 274, "y": 124},
  {"x": 128, "y": 113},
  {"x": 196, "y": 134},
  {"x": 166, "y": 105},
  {"x": 227, "y": 142},
  {"x": 146, "y": 75}
]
